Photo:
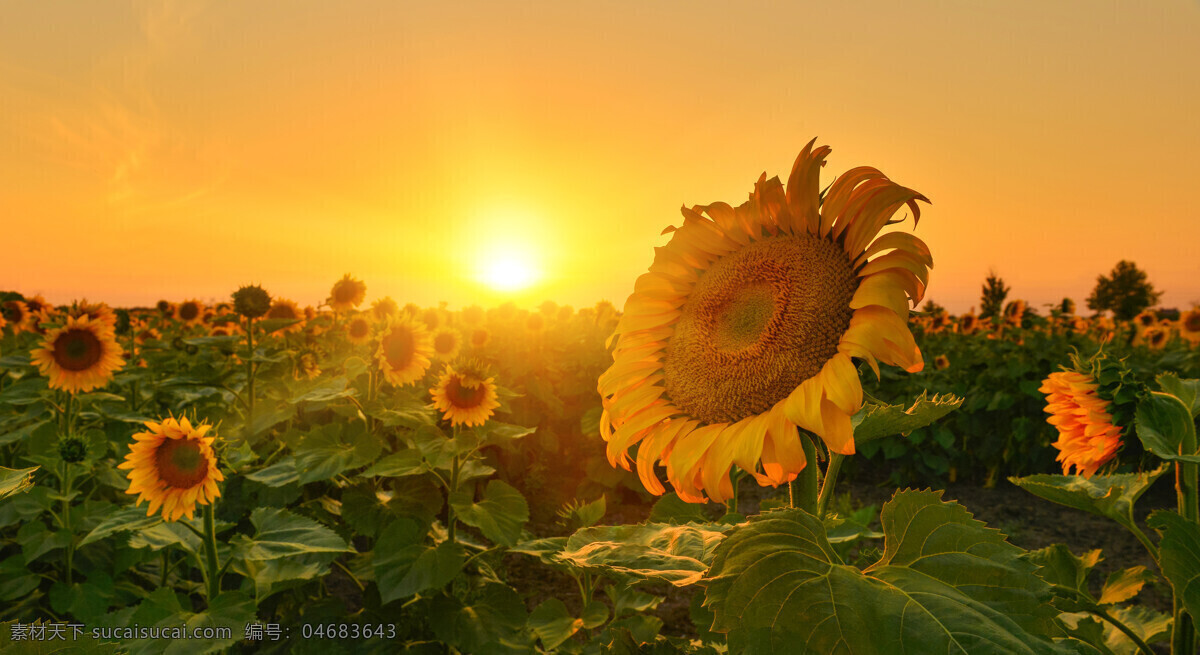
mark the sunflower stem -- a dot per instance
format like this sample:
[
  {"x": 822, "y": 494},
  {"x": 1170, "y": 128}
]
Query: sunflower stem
[
  {"x": 1183, "y": 637},
  {"x": 803, "y": 489},
  {"x": 66, "y": 521},
  {"x": 249, "y": 376},
  {"x": 213, "y": 576},
  {"x": 831, "y": 474},
  {"x": 451, "y": 519}
]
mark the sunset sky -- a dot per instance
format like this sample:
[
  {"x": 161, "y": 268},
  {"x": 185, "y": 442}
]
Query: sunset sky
[{"x": 484, "y": 151}]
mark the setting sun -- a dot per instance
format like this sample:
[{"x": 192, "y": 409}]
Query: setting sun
[{"x": 508, "y": 273}]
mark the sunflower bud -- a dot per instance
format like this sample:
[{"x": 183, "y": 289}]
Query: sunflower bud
[
  {"x": 72, "y": 450},
  {"x": 251, "y": 301}
]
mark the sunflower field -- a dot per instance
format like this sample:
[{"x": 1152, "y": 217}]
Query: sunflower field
[{"x": 250, "y": 475}]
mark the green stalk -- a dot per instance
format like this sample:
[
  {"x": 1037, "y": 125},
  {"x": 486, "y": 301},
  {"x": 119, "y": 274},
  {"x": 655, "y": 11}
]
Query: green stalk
[
  {"x": 66, "y": 521},
  {"x": 1183, "y": 638},
  {"x": 212, "y": 570},
  {"x": 831, "y": 474},
  {"x": 803, "y": 489},
  {"x": 451, "y": 519},
  {"x": 1133, "y": 636},
  {"x": 249, "y": 375}
]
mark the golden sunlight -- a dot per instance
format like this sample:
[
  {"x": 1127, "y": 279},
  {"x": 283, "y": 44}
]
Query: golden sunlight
[{"x": 508, "y": 273}]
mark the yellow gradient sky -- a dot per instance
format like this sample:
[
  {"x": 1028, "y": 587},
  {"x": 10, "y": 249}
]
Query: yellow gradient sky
[{"x": 168, "y": 150}]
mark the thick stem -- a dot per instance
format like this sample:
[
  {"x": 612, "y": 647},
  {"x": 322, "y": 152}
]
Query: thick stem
[
  {"x": 1133, "y": 636},
  {"x": 804, "y": 488},
  {"x": 213, "y": 575},
  {"x": 831, "y": 474},
  {"x": 1183, "y": 637}
]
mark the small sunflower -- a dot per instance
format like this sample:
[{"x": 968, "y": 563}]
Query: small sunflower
[
  {"x": 941, "y": 362},
  {"x": 1189, "y": 325},
  {"x": 79, "y": 356},
  {"x": 174, "y": 467},
  {"x": 307, "y": 366},
  {"x": 37, "y": 304},
  {"x": 446, "y": 343},
  {"x": 143, "y": 333},
  {"x": 165, "y": 308},
  {"x": 1014, "y": 312},
  {"x": 746, "y": 323},
  {"x": 17, "y": 315},
  {"x": 1156, "y": 336},
  {"x": 404, "y": 351},
  {"x": 1087, "y": 437},
  {"x": 347, "y": 293},
  {"x": 480, "y": 337},
  {"x": 968, "y": 323},
  {"x": 190, "y": 312},
  {"x": 358, "y": 330},
  {"x": 286, "y": 309},
  {"x": 383, "y": 309},
  {"x": 1145, "y": 319},
  {"x": 465, "y": 396}
]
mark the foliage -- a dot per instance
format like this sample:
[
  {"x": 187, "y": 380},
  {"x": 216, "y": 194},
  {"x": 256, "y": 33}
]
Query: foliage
[
  {"x": 1125, "y": 291},
  {"x": 991, "y": 302}
]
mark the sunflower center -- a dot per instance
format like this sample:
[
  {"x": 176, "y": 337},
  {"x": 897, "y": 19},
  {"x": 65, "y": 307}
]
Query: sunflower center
[
  {"x": 464, "y": 397},
  {"x": 181, "y": 463},
  {"x": 444, "y": 343},
  {"x": 77, "y": 350},
  {"x": 344, "y": 292},
  {"x": 398, "y": 348},
  {"x": 759, "y": 322}
]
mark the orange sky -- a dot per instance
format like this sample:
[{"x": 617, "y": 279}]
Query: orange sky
[{"x": 180, "y": 149}]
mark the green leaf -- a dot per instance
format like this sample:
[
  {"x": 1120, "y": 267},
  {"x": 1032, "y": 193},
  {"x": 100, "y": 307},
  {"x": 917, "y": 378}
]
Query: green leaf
[
  {"x": 553, "y": 624},
  {"x": 323, "y": 391},
  {"x": 492, "y": 622},
  {"x": 280, "y": 533},
  {"x": 36, "y": 540},
  {"x": 501, "y": 434},
  {"x": 397, "y": 465},
  {"x": 231, "y": 610},
  {"x": 269, "y": 325},
  {"x": 1112, "y": 496},
  {"x": 591, "y": 513},
  {"x": 626, "y": 599},
  {"x": 500, "y": 515},
  {"x": 877, "y": 421},
  {"x": 1125, "y": 584},
  {"x": 1146, "y": 623},
  {"x": 673, "y": 509},
  {"x": 405, "y": 564},
  {"x": 1163, "y": 423},
  {"x": 128, "y": 519},
  {"x": 945, "y": 584},
  {"x": 15, "y": 481},
  {"x": 16, "y": 580},
  {"x": 1062, "y": 568},
  {"x": 279, "y": 474},
  {"x": 273, "y": 576},
  {"x": 594, "y": 614},
  {"x": 161, "y": 535},
  {"x": 1186, "y": 390},
  {"x": 678, "y": 554},
  {"x": 1179, "y": 556}
]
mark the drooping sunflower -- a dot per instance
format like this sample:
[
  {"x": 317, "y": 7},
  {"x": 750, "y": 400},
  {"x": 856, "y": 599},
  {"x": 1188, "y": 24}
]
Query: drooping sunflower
[
  {"x": 190, "y": 312},
  {"x": 446, "y": 343},
  {"x": 347, "y": 293},
  {"x": 1087, "y": 437},
  {"x": 79, "y": 356},
  {"x": 173, "y": 466},
  {"x": 404, "y": 351},
  {"x": 1189, "y": 325},
  {"x": 746, "y": 324},
  {"x": 358, "y": 330},
  {"x": 286, "y": 309},
  {"x": 465, "y": 394}
]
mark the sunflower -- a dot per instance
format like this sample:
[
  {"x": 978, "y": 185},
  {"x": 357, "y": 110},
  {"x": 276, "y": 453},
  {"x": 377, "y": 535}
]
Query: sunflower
[
  {"x": 174, "y": 467},
  {"x": 307, "y": 366},
  {"x": 95, "y": 311},
  {"x": 190, "y": 312},
  {"x": 1145, "y": 319},
  {"x": 466, "y": 396},
  {"x": 79, "y": 356},
  {"x": 968, "y": 323},
  {"x": 1156, "y": 336},
  {"x": 383, "y": 309},
  {"x": 746, "y": 323},
  {"x": 432, "y": 318},
  {"x": 166, "y": 308},
  {"x": 480, "y": 337},
  {"x": 347, "y": 293},
  {"x": 939, "y": 322},
  {"x": 1014, "y": 312},
  {"x": 286, "y": 309},
  {"x": 143, "y": 333},
  {"x": 941, "y": 362},
  {"x": 16, "y": 314},
  {"x": 404, "y": 351},
  {"x": 37, "y": 304},
  {"x": 1087, "y": 437},
  {"x": 446, "y": 343},
  {"x": 358, "y": 330},
  {"x": 1189, "y": 325}
]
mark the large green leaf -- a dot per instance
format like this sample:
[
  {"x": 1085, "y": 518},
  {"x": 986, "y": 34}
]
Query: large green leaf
[
  {"x": 1112, "y": 496},
  {"x": 396, "y": 465},
  {"x": 1163, "y": 423},
  {"x": 553, "y": 624},
  {"x": 1179, "y": 556},
  {"x": 14, "y": 481},
  {"x": 1186, "y": 390},
  {"x": 945, "y": 584},
  {"x": 333, "y": 448},
  {"x": 279, "y": 474},
  {"x": 499, "y": 516},
  {"x": 128, "y": 519},
  {"x": 231, "y": 610},
  {"x": 1063, "y": 569},
  {"x": 1146, "y": 623},
  {"x": 673, "y": 509},
  {"x": 678, "y": 554},
  {"x": 490, "y": 622},
  {"x": 406, "y": 564},
  {"x": 877, "y": 421},
  {"x": 280, "y": 533},
  {"x": 275, "y": 575}
]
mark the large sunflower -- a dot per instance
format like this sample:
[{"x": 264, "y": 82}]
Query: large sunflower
[
  {"x": 746, "y": 323},
  {"x": 404, "y": 351},
  {"x": 174, "y": 467},
  {"x": 79, "y": 356},
  {"x": 466, "y": 396}
]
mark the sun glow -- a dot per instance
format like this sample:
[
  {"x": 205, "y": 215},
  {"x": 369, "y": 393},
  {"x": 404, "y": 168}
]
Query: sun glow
[
  {"x": 508, "y": 273},
  {"x": 509, "y": 246}
]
